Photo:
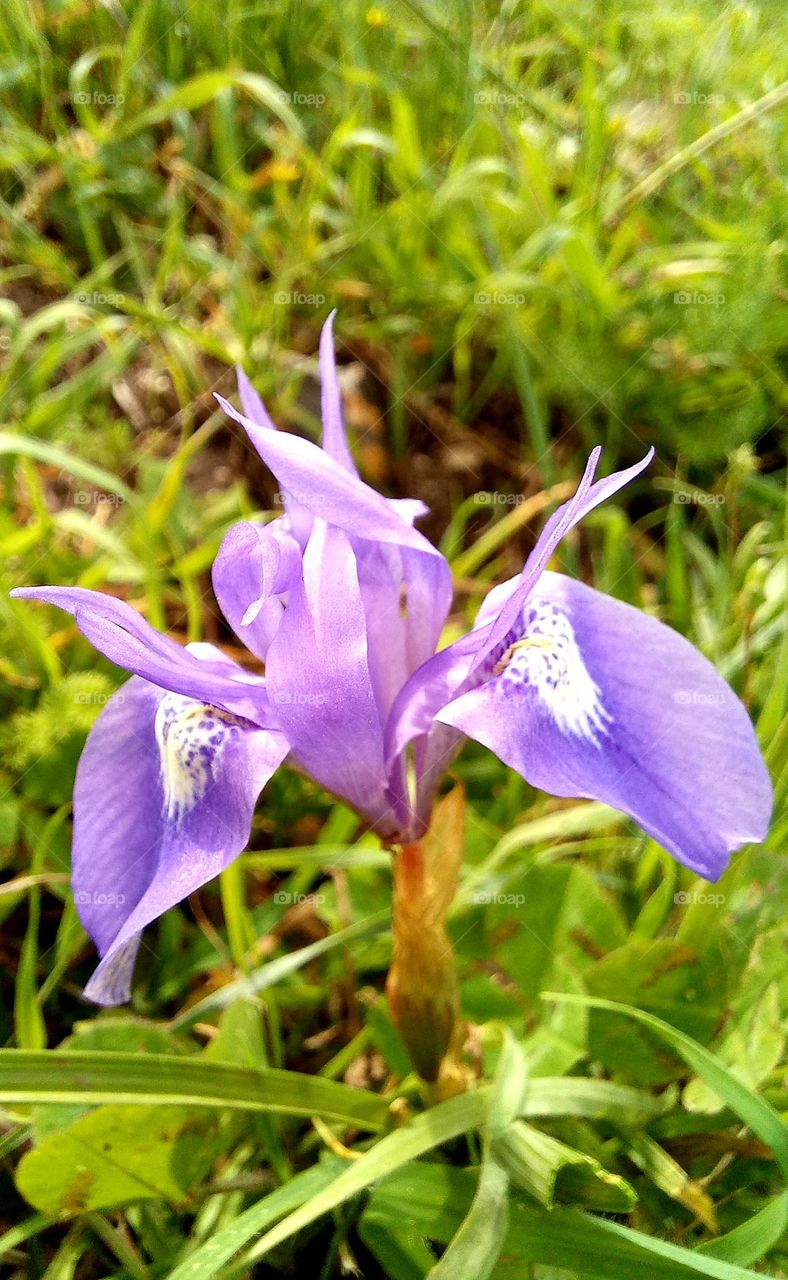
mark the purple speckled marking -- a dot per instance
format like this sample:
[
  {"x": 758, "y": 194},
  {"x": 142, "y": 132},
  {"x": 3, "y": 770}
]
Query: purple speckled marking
[
  {"x": 192, "y": 737},
  {"x": 541, "y": 654}
]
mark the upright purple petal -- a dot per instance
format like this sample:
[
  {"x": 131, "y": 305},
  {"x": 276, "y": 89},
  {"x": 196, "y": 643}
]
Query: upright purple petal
[
  {"x": 252, "y": 403},
  {"x": 406, "y": 598},
  {"x": 427, "y": 597},
  {"x": 325, "y": 488},
  {"x": 298, "y": 519},
  {"x": 334, "y": 438},
  {"x": 164, "y": 797},
  {"x": 319, "y": 678},
  {"x": 564, "y": 519},
  {"x": 123, "y": 636},
  {"x": 590, "y": 697},
  {"x": 405, "y": 583},
  {"x": 381, "y": 587}
]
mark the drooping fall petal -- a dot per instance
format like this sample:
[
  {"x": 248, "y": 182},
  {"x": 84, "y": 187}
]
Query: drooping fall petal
[
  {"x": 164, "y": 796},
  {"x": 591, "y": 697},
  {"x": 124, "y": 636}
]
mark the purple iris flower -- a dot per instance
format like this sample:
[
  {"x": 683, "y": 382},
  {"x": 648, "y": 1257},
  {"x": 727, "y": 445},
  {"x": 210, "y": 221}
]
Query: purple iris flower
[{"x": 344, "y": 602}]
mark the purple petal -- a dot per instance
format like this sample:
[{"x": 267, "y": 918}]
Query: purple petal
[
  {"x": 334, "y": 439},
  {"x": 590, "y": 697},
  {"x": 431, "y": 687},
  {"x": 298, "y": 519},
  {"x": 442, "y": 676},
  {"x": 251, "y": 402},
  {"x": 427, "y": 600},
  {"x": 255, "y": 566},
  {"x": 379, "y": 569},
  {"x": 325, "y": 488},
  {"x": 407, "y": 597},
  {"x": 123, "y": 636},
  {"x": 117, "y": 790},
  {"x": 164, "y": 797},
  {"x": 319, "y": 678},
  {"x": 561, "y": 522}
]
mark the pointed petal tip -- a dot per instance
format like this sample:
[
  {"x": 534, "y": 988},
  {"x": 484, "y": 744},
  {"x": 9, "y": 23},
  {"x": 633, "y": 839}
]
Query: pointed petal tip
[
  {"x": 246, "y": 422},
  {"x": 58, "y": 596},
  {"x": 110, "y": 983},
  {"x": 596, "y": 454},
  {"x": 326, "y": 349}
]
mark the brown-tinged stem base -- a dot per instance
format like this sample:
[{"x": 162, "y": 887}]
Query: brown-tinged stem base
[{"x": 422, "y": 984}]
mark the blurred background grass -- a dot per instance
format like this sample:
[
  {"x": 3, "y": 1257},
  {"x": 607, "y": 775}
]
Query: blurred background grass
[{"x": 544, "y": 227}]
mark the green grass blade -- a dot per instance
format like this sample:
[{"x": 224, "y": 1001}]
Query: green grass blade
[
  {"x": 162, "y": 1079},
  {"x": 221, "y": 1247},
  {"x": 435, "y": 1199},
  {"x": 55, "y": 456},
  {"x": 751, "y": 1240},
  {"x": 269, "y": 974},
  {"x": 204, "y": 88},
  {"x": 754, "y": 1111},
  {"x": 475, "y": 1248},
  {"x": 444, "y": 1122}
]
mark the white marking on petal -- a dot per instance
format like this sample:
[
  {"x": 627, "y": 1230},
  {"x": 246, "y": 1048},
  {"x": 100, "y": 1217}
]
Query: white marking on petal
[
  {"x": 252, "y": 611},
  {"x": 191, "y": 737},
  {"x": 547, "y": 659}
]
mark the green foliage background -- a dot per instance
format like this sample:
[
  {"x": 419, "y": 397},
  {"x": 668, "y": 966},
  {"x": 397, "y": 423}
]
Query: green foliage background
[{"x": 544, "y": 227}]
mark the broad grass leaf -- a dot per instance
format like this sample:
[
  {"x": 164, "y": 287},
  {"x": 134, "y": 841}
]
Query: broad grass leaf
[
  {"x": 665, "y": 978},
  {"x": 119, "y": 1154},
  {"x": 549, "y": 912}
]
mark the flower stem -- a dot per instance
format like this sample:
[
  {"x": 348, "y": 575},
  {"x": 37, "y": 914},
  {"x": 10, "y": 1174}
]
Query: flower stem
[{"x": 422, "y": 984}]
